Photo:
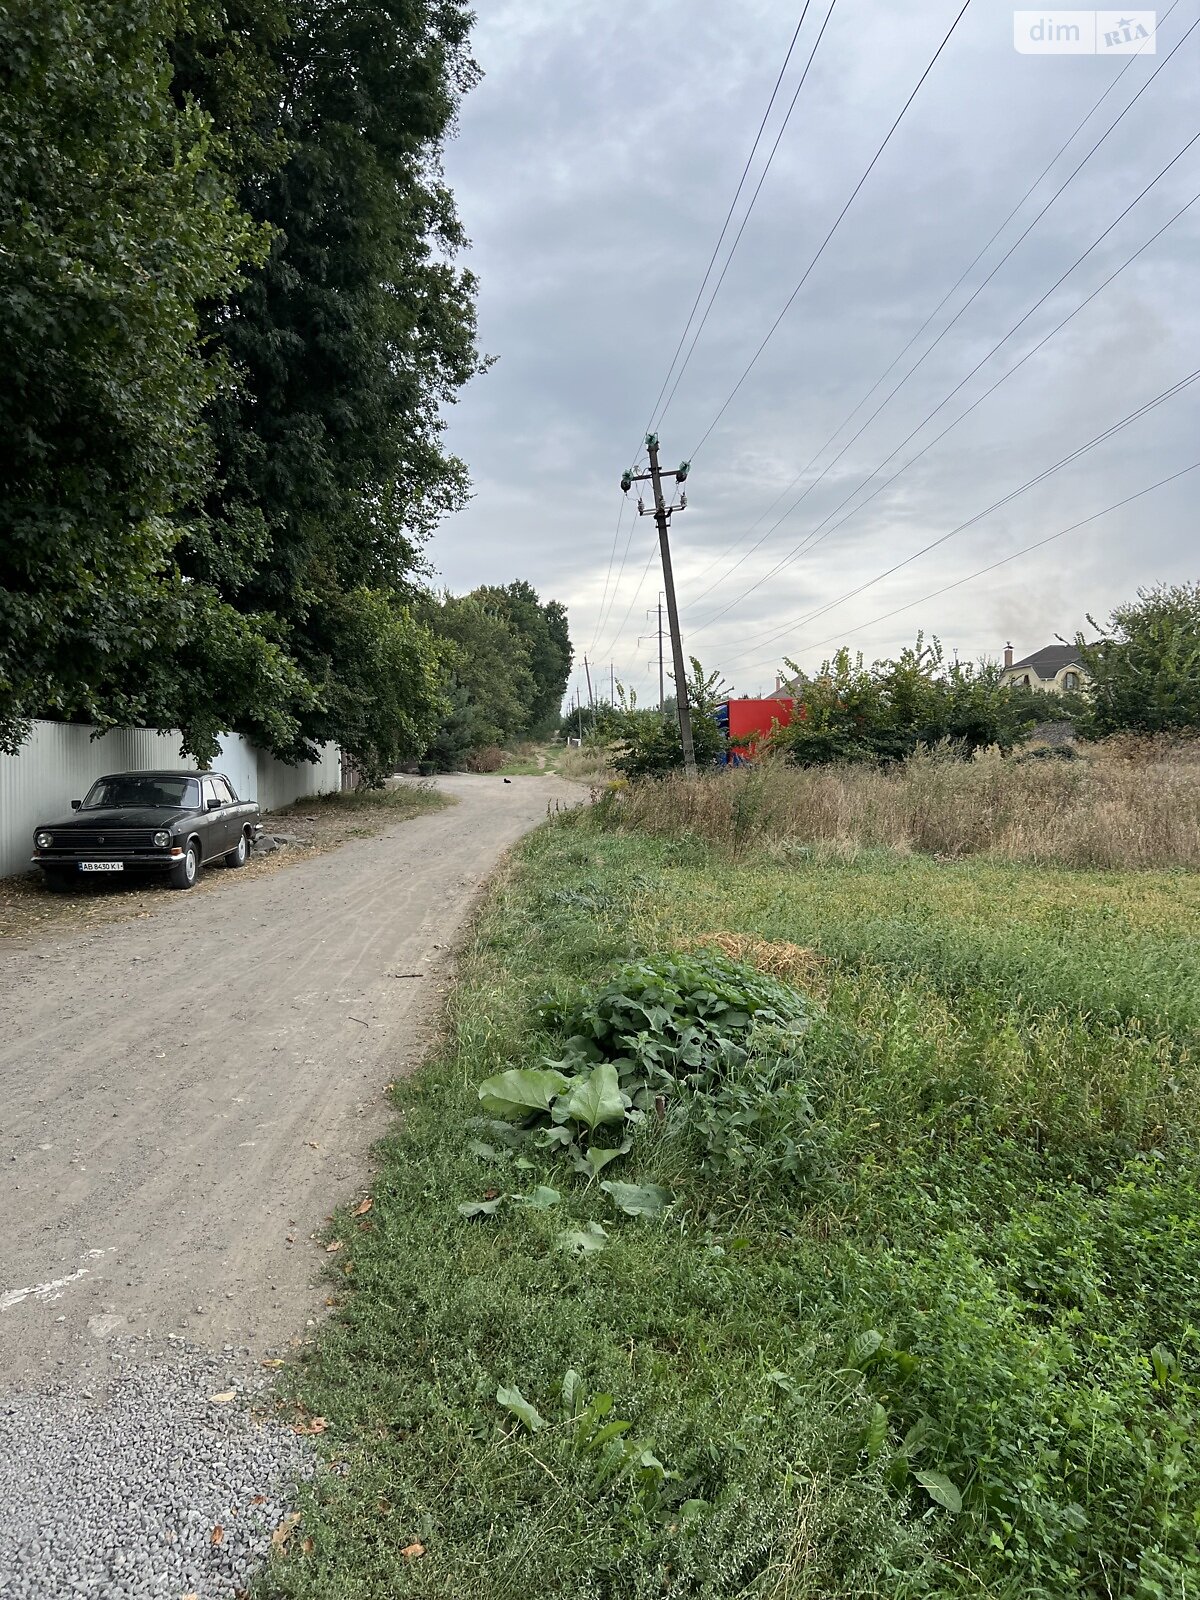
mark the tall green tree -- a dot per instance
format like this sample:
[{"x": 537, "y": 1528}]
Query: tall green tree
[
  {"x": 115, "y": 225},
  {"x": 547, "y": 640},
  {"x": 1144, "y": 672},
  {"x": 489, "y": 685},
  {"x": 348, "y": 340}
]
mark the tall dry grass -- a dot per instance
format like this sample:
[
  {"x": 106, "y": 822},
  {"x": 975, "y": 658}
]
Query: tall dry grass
[
  {"x": 589, "y": 763},
  {"x": 1122, "y": 808}
]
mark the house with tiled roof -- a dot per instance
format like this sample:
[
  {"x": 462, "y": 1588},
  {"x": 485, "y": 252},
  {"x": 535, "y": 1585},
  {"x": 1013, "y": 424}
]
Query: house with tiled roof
[{"x": 1055, "y": 668}]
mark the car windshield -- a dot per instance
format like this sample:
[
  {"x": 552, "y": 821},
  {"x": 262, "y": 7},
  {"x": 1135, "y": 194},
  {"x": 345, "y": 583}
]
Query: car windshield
[{"x": 122, "y": 792}]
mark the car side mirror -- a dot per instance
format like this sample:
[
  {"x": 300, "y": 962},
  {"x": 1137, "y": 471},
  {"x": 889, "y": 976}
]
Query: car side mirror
[
  {"x": 75, "y": 804},
  {"x": 214, "y": 805}
]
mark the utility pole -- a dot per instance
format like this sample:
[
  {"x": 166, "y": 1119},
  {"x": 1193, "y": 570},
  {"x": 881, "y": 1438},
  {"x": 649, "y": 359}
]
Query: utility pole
[
  {"x": 662, "y": 516},
  {"x": 658, "y": 634},
  {"x": 591, "y": 696},
  {"x": 612, "y": 683}
]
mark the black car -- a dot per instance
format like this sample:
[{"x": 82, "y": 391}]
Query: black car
[{"x": 170, "y": 822}]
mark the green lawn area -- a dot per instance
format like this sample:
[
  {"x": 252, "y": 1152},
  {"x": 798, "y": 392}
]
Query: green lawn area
[{"x": 919, "y": 1319}]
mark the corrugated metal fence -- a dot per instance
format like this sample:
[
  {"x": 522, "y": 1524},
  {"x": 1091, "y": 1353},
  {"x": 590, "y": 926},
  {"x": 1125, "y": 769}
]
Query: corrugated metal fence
[{"x": 59, "y": 762}]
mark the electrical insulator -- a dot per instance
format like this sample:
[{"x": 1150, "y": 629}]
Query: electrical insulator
[
  {"x": 626, "y": 481},
  {"x": 683, "y": 469}
]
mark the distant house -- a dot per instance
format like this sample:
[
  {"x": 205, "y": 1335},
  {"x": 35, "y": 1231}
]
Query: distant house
[{"x": 1055, "y": 668}]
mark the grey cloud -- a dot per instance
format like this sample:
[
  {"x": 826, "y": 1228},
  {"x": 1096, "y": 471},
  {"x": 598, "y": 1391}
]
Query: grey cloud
[{"x": 593, "y": 168}]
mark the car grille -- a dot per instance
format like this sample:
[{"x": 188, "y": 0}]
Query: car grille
[{"x": 107, "y": 841}]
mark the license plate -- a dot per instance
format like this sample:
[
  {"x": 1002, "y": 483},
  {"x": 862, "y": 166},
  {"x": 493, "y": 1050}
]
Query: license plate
[{"x": 102, "y": 866}]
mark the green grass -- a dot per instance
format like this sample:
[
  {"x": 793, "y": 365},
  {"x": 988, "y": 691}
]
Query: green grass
[
  {"x": 524, "y": 763},
  {"x": 389, "y": 804},
  {"x": 979, "y": 1265}
]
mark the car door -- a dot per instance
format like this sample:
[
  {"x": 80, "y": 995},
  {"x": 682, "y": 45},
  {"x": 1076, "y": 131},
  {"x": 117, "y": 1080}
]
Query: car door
[
  {"x": 213, "y": 822},
  {"x": 230, "y": 813}
]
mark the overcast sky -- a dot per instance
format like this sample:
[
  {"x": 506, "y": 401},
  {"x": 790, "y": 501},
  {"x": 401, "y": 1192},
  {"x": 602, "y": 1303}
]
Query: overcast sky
[{"x": 593, "y": 169}]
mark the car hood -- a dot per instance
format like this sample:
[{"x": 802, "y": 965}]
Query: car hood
[{"x": 121, "y": 817}]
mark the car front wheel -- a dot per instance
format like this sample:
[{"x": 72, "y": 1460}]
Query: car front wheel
[
  {"x": 186, "y": 870},
  {"x": 237, "y": 856}
]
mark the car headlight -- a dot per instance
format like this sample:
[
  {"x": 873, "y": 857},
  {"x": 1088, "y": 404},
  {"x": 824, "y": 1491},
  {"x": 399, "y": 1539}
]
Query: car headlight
[
  {"x": 43, "y": 840},
  {"x": 162, "y": 838}
]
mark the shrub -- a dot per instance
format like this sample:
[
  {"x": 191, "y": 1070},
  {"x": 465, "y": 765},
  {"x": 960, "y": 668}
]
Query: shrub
[
  {"x": 855, "y": 714},
  {"x": 697, "y": 1037},
  {"x": 490, "y": 758}
]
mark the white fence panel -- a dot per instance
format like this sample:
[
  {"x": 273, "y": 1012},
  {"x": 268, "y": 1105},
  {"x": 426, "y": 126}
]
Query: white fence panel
[
  {"x": 278, "y": 785},
  {"x": 60, "y": 761}
]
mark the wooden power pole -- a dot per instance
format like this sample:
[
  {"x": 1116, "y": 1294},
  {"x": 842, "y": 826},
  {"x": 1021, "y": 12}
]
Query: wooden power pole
[{"x": 662, "y": 516}]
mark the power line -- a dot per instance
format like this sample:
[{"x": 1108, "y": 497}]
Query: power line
[
  {"x": 712, "y": 260},
  {"x": 704, "y": 284},
  {"x": 837, "y": 221},
  {"x": 609, "y": 648},
  {"x": 738, "y": 239},
  {"x": 1072, "y": 455},
  {"x": 942, "y": 302},
  {"x": 608, "y": 575},
  {"x": 816, "y": 536},
  {"x": 981, "y": 572}
]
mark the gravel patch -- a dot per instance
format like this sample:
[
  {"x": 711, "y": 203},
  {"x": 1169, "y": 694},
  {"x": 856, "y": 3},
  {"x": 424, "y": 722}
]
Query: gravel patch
[{"x": 146, "y": 1485}]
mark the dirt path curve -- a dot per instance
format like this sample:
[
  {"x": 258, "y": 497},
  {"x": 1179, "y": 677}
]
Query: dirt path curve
[{"x": 183, "y": 1100}]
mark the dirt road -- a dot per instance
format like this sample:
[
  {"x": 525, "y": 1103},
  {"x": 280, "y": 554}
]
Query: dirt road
[{"x": 184, "y": 1098}]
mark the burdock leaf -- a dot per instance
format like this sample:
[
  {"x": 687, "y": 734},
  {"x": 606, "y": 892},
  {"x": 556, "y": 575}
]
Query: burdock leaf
[
  {"x": 637, "y": 1199},
  {"x": 596, "y": 1099},
  {"x": 521, "y": 1091}
]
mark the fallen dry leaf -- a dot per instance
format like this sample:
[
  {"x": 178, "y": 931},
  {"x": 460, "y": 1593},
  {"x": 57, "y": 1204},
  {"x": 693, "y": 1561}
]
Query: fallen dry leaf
[
  {"x": 362, "y": 1209},
  {"x": 308, "y": 1545},
  {"x": 259, "y": 1500},
  {"x": 313, "y": 1425},
  {"x": 383, "y": 1506},
  {"x": 275, "y": 1361},
  {"x": 283, "y": 1532},
  {"x": 330, "y": 1248},
  {"x": 223, "y": 1398},
  {"x": 217, "y": 1535},
  {"x": 412, "y": 1551}
]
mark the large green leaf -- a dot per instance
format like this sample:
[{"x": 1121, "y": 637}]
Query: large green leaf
[
  {"x": 597, "y": 1099},
  {"x": 583, "y": 1241},
  {"x": 939, "y": 1489},
  {"x": 862, "y": 1347},
  {"x": 875, "y": 1433},
  {"x": 592, "y": 1161},
  {"x": 572, "y": 1392},
  {"x": 637, "y": 1199},
  {"x": 521, "y": 1091},
  {"x": 471, "y": 1209},
  {"x": 513, "y": 1400}
]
